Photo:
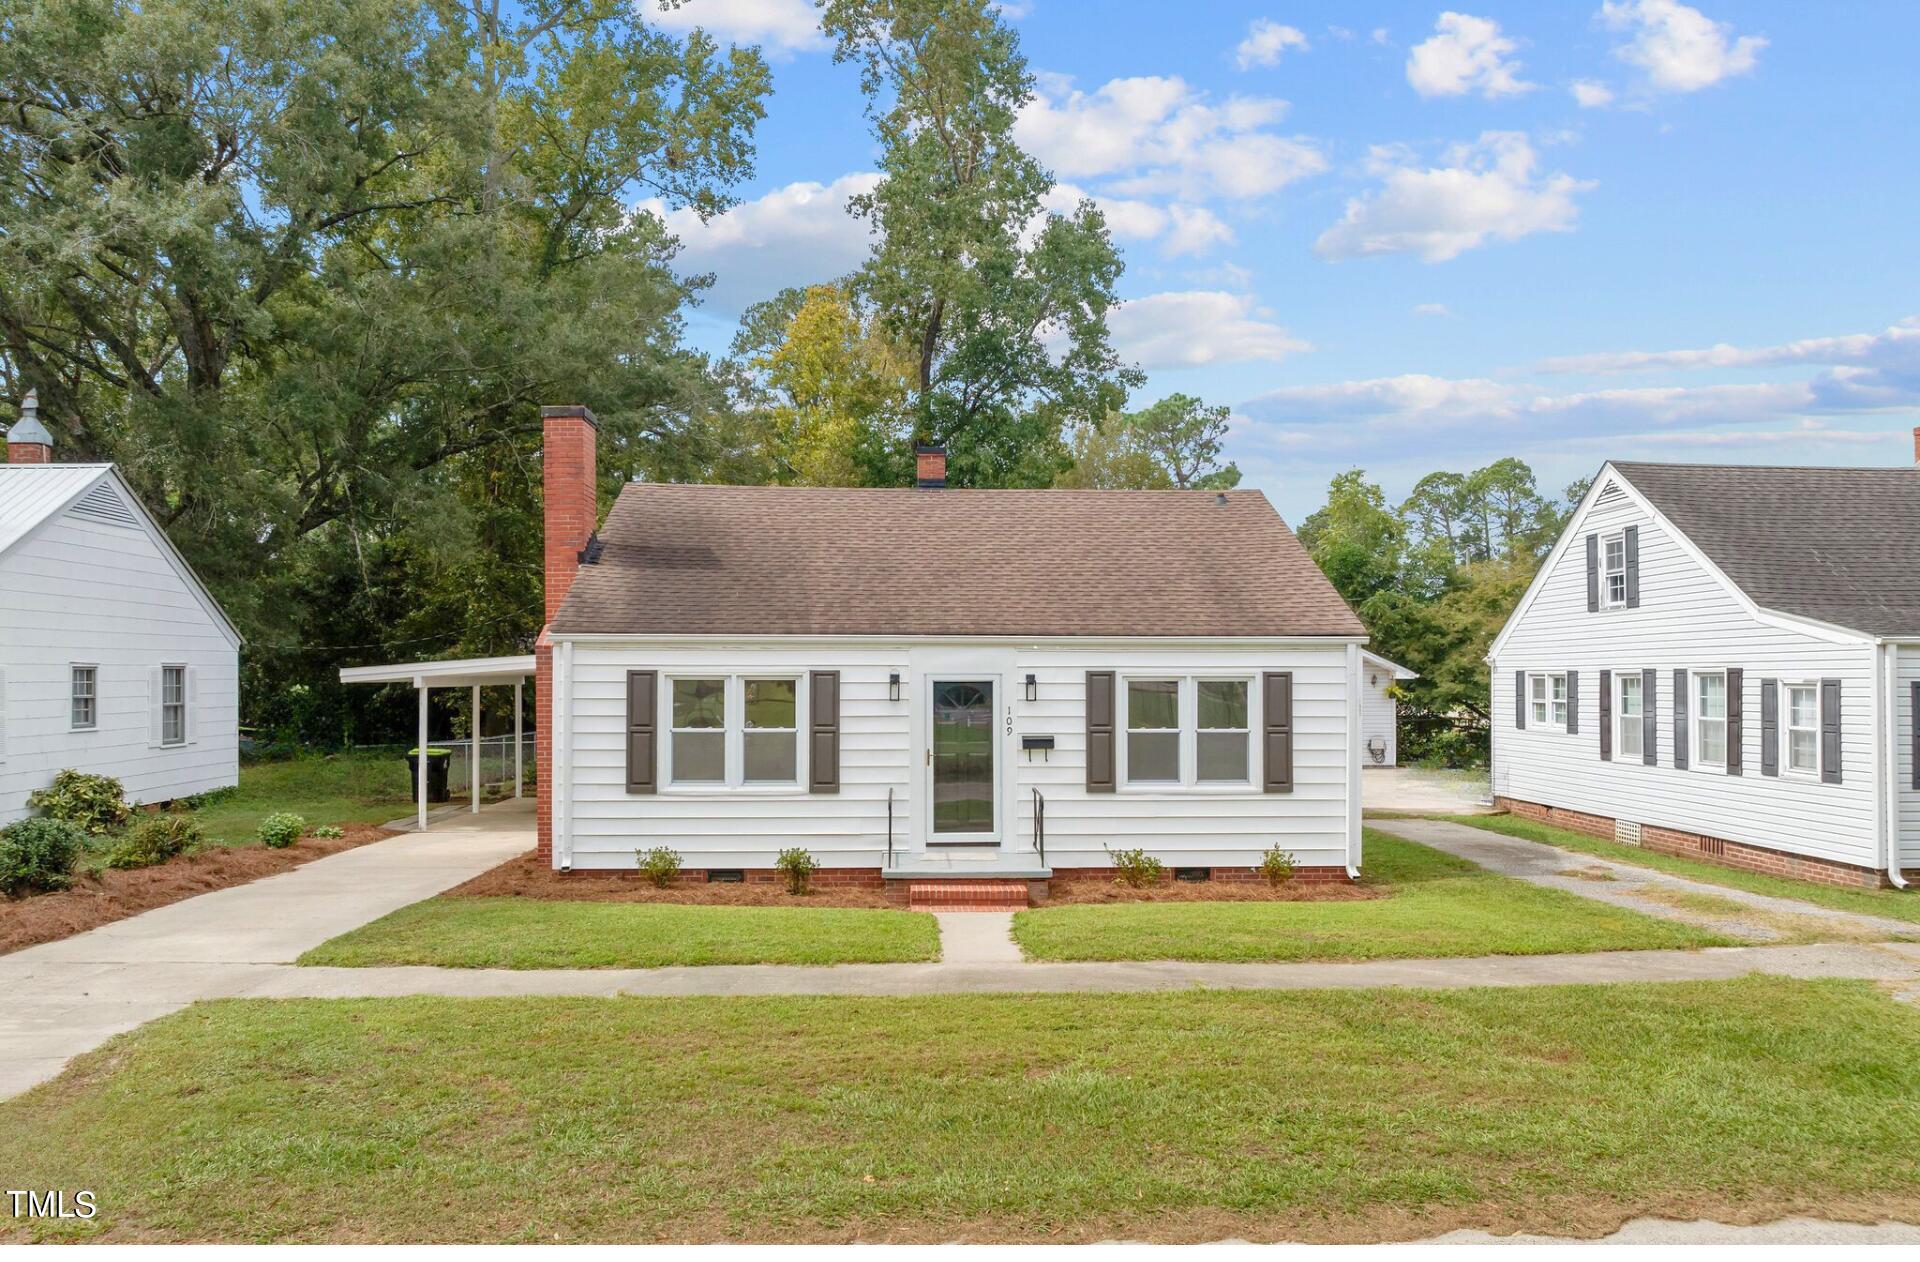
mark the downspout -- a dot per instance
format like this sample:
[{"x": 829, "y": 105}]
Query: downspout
[
  {"x": 1353, "y": 762},
  {"x": 562, "y": 756},
  {"x": 1888, "y": 689}
]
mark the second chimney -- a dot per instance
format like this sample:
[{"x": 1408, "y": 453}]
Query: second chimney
[
  {"x": 570, "y": 487},
  {"x": 929, "y": 465},
  {"x": 28, "y": 442}
]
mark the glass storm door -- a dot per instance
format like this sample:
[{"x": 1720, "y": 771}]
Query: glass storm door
[{"x": 960, "y": 755}]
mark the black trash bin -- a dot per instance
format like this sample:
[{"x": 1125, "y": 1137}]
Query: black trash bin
[{"x": 438, "y": 761}]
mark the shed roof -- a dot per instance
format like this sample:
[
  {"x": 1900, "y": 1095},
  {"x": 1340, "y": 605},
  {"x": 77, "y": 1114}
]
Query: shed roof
[{"x": 740, "y": 560}]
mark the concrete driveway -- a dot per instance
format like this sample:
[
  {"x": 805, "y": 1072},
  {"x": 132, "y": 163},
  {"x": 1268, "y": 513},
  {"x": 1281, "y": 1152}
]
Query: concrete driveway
[
  {"x": 67, "y": 997},
  {"x": 1440, "y": 792}
]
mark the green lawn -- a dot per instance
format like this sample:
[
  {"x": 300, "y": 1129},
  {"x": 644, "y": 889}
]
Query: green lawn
[
  {"x": 1188, "y": 1115},
  {"x": 1437, "y": 906},
  {"x": 325, "y": 789},
  {"x": 1893, "y": 904},
  {"x": 537, "y": 933}
]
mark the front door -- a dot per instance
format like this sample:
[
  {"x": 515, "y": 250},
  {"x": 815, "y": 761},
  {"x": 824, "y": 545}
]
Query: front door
[{"x": 963, "y": 775}]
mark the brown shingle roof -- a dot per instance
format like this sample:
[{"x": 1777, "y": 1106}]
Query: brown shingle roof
[
  {"x": 1841, "y": 546},
  {"x": 759, "y": 560}
]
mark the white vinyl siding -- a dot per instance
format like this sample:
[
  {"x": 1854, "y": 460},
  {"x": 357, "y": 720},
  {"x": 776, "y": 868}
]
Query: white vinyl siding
[
  {"x": 1379, "y": 716},
  {"x": 1184, "y": 824},
  {"x": 1687, "y": 620}
]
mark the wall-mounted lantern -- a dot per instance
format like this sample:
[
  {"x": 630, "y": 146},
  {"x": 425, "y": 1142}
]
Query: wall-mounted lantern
[
  {"x": 1033, "y": 688},
  {"x": 893, "y": 686}
]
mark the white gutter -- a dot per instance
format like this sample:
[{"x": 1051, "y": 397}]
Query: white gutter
[
  {"x": 1353, "y": 762},
  {"x": 562, "y": 756},
  {"x": 1886, "y": 690}
]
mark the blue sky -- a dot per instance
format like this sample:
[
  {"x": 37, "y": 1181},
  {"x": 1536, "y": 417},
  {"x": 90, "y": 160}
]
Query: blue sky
[{"x": 1407, "y": 238}]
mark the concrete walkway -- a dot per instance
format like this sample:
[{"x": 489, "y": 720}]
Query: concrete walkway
[
  {"x": 1634, "y": 887},
  {"x": 977, "y": 937},
  {"x": 67, "y": 997},
  {"x": 1425, "y": 789}
]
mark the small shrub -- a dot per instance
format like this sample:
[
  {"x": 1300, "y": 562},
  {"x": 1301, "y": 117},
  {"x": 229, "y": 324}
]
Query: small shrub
[
  {"x": 798, "y": 866},
  {"x": 659, "y": 865},
  {"x": 212, "y": 797},
  {"x": 96, "y": 803},
  {"x": 332, "y": 832},
  {"x": 281, "y": 829},
  {"x": 38, "y": 854},
  {"x": 1276, "y": 865},
  {"x": 1136, "y": 868},
  {"x": 155, "y": 839}
]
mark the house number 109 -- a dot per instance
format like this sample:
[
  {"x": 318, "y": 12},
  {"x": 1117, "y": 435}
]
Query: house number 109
[{"x": 1009, "y": 720}]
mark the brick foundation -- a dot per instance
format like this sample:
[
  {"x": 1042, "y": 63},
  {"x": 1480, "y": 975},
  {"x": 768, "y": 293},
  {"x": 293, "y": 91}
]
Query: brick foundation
[
  {"x": 838, "y": 878},
  {"x": 1731, "y": 854},
  {"x": 1305, "y": 875}
]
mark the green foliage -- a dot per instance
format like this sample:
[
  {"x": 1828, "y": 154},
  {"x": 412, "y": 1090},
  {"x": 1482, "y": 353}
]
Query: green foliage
[
  {"x": 659, "y": 865},
  {"x": 328, "y": 832},
  {"x": 38, "y": 854},
  {"x": 96, "y": 803},
  {"x": 156, "y": 839},
  {"x": 1136, "y": 868},
  {"x": 281, "y": 829},
  {"x": 1173, "y": 444},
  {"x": 798, "y": 867},
  {"x": 212, "y": 797},
  {"x": 1277, "y": 865}
]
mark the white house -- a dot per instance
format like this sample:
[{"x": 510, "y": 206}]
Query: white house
[
  {"x": 113, "y": 657},
  {"x": 931, "y": 683},
  {"x": 1380, "y": 709},
  {"x": 1724, "y": 662}
]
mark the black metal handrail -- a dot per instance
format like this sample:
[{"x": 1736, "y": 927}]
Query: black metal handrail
[{"x": 1040, "y": 826}]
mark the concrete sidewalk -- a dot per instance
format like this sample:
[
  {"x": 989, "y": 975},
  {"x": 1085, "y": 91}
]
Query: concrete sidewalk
[
  {"x": 1628, "y": 884},
  {"x": 67, "y": 997}
]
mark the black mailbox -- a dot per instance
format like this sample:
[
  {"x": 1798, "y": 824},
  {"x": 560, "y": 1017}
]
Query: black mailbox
[{"x": 1042, "y": 743}]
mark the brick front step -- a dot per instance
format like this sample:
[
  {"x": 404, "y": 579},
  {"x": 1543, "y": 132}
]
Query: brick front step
[{"x": 967, "y": 895}]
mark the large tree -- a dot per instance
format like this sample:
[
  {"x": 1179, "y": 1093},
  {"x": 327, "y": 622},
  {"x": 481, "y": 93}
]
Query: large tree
[
  {"x": 1003, "y": 304},
  {"x": 1173, "y": 444}
]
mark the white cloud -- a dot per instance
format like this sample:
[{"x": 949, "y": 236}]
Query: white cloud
[
  {"x": 1489, "y": 189},
  {"x": 1266, "y": 40},
  {"x": 1437, "y": 310},
  {"x": 1677, "y": 47},
  {"x": 1465, "y": 54},
  {"x": 1591, "y": 94},
  {"x": 1196, "y": 230},
  {"x": 780, "y": 26},
  {"x": 1380, "y": 34},
  {"x": 794, "y": 235},
  {"x": 1156, "y": 135},
  {"x": 1179, "y": 228},
  {"x": 1895, "y": 350},
  {"x": 1196, "y": 328}
]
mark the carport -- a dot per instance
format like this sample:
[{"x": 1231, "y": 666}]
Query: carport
[{"x": 472, "y": 673}]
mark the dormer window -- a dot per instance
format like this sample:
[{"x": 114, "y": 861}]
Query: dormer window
[{"x": 1613, "y": 571}]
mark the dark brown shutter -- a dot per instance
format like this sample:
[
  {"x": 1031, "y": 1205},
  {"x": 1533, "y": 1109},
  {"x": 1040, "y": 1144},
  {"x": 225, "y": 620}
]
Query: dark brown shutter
[
  {"x": 1520, "y": 698},
  {"x": 1736, "y": 720},
  {"x": 1649, "y": 718},
  {"x": 1680, "y": 719},
  {"x": 1830, "y": 731},
  {"x": 1593, "y": 573},
  {"x": 1769, "y": 727},
  {"x": 1606, "y": 716},
  {"x": 823, "y": 731},
  {"x": 1573, "y": 701},
  {"x": 1632, "y": 534},
  {"x": 1276, "y": 704},
  {"x": 1100, "y": 773},
  {"x": 643, "y": 735}
]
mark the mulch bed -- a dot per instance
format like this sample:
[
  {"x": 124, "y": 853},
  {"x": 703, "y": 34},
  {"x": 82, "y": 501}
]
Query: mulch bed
[
  {"x": 1108, "y": 891},
  {"x": 527, "y": 877},
  {"x": 116, "y": 894}
]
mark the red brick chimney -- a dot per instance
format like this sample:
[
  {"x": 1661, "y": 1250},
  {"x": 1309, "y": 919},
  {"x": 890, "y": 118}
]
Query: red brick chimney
[
  {"x": 929, "y": 465},
  {"x": 28, "y": 441},
  {"x": 570, "y": 484}
]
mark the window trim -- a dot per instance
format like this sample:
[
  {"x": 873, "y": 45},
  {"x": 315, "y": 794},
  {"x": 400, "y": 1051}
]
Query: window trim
[
  {"x": 185, "y": 701},
  {"x": 1542, "y": 700},
  {"x": 733, "y": 728},
  {"x": 1624, "y": 722},
  {"x": 1608, "y": 573},
  {"x": 1699, "y": 720},
  {"x": 1189, "y": 732},
  {"x": 1785, "y": 734},
  {"x": 92, "y": 697}
]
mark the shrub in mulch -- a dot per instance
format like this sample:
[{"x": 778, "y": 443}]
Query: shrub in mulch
[
  {"x": 528, "y": 877},
  {"x": 1101, "y": 890},
  {"x": 110, "y": 894}
]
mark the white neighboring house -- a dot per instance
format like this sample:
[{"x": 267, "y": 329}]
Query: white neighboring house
[
  {"x": 1724, "y": 662},
  {"x": 114, "y": 659},
  {"x": 1380, "y": 709}
]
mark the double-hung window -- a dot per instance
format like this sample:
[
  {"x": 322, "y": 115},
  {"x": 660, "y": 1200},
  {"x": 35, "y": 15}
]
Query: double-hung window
[
  {"x": 1802, "y": 730},
  {"x": 1632, "y": 717},
  {"x": 85, "y": 698},
  {"x": 173, "y": 705},
  {"x": 733, "y": 730},
  {"x": 1613, "y": 571},
  {"x": 1710, "y": 696},
  {"x": 1189, "y": 730},
  {"x": 1547, "y": 695}
]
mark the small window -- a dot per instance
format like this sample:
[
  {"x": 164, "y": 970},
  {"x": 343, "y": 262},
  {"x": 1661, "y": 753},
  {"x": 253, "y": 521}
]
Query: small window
[
  {"x": 1221, "y": 740},
  {"x": 86, "y": 711},
  {"x": 1547, "y": 698},
  {"x": 1802, "y": 735},
  {"x": 699, "y": 731},
  {"x": 1632, "y": 718},
  {"x": 1153, "y": 731},
  {"x": 772, "y": 716},
  {"x": 1614, "y": 571},
  {"x": 1711, "y": 744},
  {"x": 173, "y": 705},
  {"x": 1537, "y": 691}
]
